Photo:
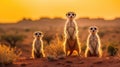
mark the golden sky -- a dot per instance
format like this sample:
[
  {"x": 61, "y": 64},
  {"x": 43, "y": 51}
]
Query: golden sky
[{"x": 15, "y": 10}]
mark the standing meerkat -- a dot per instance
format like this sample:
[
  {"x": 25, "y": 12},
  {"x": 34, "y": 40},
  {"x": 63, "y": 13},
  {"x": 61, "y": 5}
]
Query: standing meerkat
[
  {"x": 37, "y": 46},
  {"x": 71, "y": 35},
  {"x": 93, "y": 43}
]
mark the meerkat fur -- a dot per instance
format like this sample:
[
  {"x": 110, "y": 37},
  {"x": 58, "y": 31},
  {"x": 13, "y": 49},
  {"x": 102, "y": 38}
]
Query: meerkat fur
[
  {"x": 71, "y": 42},
  {"x": 93, "y": 43},
  {"x": 37, "y": 46}
]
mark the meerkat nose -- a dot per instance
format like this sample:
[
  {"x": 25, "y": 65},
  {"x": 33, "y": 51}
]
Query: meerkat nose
[{"x": 70, "y": 16}]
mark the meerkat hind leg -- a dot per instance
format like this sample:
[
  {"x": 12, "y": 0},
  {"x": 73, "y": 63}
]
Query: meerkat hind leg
[
  {"x": 37, "y": 54},
  {"x": 41, "y": 55},
  {"x": 89, "y": 54},
  {"x": 71, "y": 51},
  {"x": 77, "y": 48},
  {"x": 66, "y": 52},
  {"x": 78, "y": 51}
]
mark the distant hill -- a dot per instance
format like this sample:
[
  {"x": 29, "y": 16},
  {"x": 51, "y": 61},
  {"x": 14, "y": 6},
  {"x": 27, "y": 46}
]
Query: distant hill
[
  {"x": 59, "y": 22},
  {"x": 45, "y": 19}
]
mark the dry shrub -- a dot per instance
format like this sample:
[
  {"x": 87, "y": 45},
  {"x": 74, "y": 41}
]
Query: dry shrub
[
  {"x": 12, "y": 39},
  {"x": 7, "y": 54},
  {"x": 102, "y": 33},
  {"x": 48, "y": 38},
  {"x": 55, "y": 48},
  {"x": 112, "y": 50}
]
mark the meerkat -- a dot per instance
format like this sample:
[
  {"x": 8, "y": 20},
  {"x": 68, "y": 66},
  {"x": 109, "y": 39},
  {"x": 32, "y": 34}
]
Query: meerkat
[
  {"x": 71, "y": 35},
  {"x": 37, "y": 46},
  {"x": 93, "y": 43}
]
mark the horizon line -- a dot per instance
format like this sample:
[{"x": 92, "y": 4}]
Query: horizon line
[{"x": 24, "y": 18}]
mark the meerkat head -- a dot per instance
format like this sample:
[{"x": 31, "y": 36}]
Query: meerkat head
[
  {"x": 71, "y": 15},
  {"x": 93, "y": 29},
  {"x": 38, "y": 34}
]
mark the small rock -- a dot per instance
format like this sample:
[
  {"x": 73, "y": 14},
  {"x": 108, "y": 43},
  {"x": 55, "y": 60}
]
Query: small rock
[
  {"x": 59, "y": 63},
  {"x": 23, "y": 64},
  {"x": 81, "y": 62},
  {"x": 69, "y": 61},
  {"x": 91, "y": 66},
  {"x": 61, "y": 58},
  {"x": 98, "y": 62},
  {"x": 52, "y": 58},
  {"x": 67, "y": 65}
]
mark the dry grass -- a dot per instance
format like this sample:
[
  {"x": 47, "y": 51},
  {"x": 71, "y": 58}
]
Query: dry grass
[
  {"x": 55, "y": 48},
  {"x": 7, "y": 54}
]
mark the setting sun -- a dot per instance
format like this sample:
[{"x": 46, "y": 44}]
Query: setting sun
[{"x": 15, "y": 10}]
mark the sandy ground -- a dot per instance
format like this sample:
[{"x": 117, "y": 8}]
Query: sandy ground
[{"x": 68, "y": 62}]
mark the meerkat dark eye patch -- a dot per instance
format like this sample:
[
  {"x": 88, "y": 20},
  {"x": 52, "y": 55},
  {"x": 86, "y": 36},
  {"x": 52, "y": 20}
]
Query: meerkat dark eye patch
[
  {"x": 95, "y": 28},
  {"x": 91, "y": 28},
  {"x": 40, "y": 33}
]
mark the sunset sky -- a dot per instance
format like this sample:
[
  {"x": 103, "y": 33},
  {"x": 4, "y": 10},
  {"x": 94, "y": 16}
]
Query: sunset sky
[{"x": 15, "y": 10}]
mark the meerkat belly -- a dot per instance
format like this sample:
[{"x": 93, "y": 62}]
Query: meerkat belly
[
  {"x": 71, "y": 28},
  {"x": 94, "y": 43},
  {"x": 71, "y": 43},
  {"x": 38, "y": 45},
  {"x": 71, "y": 31}
]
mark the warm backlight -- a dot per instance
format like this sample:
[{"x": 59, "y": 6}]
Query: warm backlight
[{"x": 14, "y": 10}]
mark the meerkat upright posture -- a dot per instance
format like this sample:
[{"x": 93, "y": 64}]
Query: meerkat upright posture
[
  {"x": 71, "y": 35},
  {"x": 93, "y": 43},
  {"x": 37, "y": 46}
]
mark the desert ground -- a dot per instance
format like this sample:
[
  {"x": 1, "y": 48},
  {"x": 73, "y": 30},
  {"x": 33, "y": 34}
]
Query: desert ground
[
  {"x": 68, "y": 62},
  {"x": 109, "y": 32}
]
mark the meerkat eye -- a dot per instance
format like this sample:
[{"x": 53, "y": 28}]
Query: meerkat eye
[
  {"x": 91, "y": 28},
  {"x": 95, "y": 28},
  {"x": 73, "y": 14},
  {"x": 39, "y": 33}
]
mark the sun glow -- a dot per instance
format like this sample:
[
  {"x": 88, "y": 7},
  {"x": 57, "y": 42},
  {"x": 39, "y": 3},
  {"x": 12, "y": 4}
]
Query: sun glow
[{"x": 14, "y": 10}]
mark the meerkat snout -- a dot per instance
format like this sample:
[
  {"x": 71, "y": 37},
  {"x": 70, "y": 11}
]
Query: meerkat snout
[
  {"x": 71, "y": 15},
  {"x": 93, "y": 29}
]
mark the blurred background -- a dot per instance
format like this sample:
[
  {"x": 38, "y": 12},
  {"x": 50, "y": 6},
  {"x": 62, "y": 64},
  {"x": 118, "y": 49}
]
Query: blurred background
[{"x": 19, "y": 19}]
